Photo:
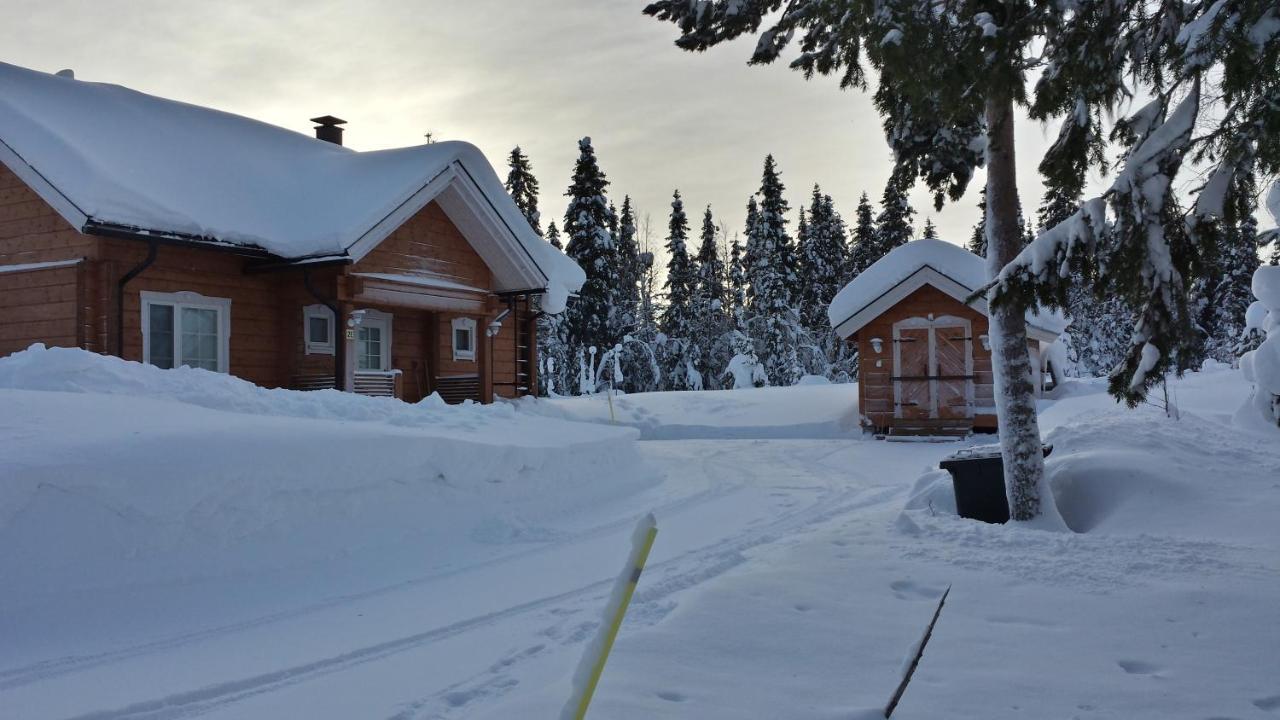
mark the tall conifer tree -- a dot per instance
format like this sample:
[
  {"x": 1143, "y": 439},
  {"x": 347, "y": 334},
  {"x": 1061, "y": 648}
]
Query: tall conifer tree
[
  {"x": 893, "y": 224},
  {"x": 862, "y": 247},
  {"x": 586, "y": 222},
  {"x": 522, "y": 186}
]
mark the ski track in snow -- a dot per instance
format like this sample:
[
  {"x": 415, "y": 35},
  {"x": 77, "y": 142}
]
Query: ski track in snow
[
  {"x": 49, "y": 669},
  {"x": 557, "y": 614}
]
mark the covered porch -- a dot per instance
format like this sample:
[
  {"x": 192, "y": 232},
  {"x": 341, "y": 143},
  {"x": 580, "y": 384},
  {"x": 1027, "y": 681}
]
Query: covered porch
[{"x": 410, "y": 335}]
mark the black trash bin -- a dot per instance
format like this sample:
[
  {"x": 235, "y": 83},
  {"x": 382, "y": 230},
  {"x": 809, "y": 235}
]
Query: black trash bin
[{"x": 977, "y": 475}]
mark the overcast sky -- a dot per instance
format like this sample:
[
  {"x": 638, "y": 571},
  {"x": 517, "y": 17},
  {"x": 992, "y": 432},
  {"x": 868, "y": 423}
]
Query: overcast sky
[{"x": 497, "y": 73}]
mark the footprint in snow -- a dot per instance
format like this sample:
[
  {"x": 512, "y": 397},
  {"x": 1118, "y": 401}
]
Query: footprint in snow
[
  {"x": 1270, "y": 703},
  {"x": 910, "y": 590},
  {"x": 671, "y": 696},
  {"x": 1139, "y": 667}
]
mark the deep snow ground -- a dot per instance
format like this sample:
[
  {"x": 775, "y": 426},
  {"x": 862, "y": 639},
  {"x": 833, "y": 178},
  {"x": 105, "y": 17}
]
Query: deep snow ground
[{"x": 787, "y": 581}]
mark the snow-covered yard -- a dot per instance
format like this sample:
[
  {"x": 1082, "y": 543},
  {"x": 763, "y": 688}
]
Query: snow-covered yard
[{"x": 181, "y": 544}]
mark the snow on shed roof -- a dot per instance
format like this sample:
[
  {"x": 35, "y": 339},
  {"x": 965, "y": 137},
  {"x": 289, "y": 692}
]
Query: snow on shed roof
[
  {"x": 948, "y": 267},
  {"x": 107, "y": 155}
]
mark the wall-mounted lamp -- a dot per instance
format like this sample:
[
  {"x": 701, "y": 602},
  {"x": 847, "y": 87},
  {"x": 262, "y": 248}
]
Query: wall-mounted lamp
[
  {"x": 877, "y": 344},
  {"x": 986, "y": 342},
  {"x": 357, "y": 318}
]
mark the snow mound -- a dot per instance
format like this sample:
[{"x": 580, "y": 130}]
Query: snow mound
[
  {"x": 956, "y": 263},
  {"x": 1261, "y": 366},
  {"x": 802, "y": 411},
  {"x": 121, "y": 474},
  {"x": 1140, "y": 473}
]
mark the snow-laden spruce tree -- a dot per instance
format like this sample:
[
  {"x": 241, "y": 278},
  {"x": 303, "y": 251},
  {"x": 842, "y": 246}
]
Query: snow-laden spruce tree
[
  {"x": 821, "y": 250},
  {"x": 627, "y": 310},
  {"x": 893, "y": 224},
  {"x": 978, "y": 240},
  {"x": 950, "y": 77},
  {"x": 1096, "y": 340},
  {"x": 772, "y": 322},
  {"x": 636, "y": 353},
  {"x": 553, "y": 236},
  {"x": 1223, "y": 294},
  {"x": 736, "y": 283},
  {"x": 930, "y": 231},
  {"x": 586, "y": 222},
  {"x": 522, "y": 186},
  {"x": 678, "y": 321},
  {"x": 710, "y": 321},
  {"x": 822, "y": 258},
  {"x": 862, "y": 245},
  {"x": 554, "y": 366}
]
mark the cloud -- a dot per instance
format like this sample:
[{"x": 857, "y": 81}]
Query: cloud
[{"x": 540, "y": 74}]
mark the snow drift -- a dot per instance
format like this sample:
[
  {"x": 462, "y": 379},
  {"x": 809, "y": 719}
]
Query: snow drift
[{"x": 116, "y": 474}]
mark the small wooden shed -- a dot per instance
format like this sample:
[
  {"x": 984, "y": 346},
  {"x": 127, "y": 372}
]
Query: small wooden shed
[{"x": 924, "y": 356}]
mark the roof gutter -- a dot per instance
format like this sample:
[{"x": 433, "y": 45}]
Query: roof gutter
[{"x": 124, "y": 232}]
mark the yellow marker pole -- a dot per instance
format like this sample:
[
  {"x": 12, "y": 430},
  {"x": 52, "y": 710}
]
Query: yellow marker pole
[{"x": 635, "y": 565}]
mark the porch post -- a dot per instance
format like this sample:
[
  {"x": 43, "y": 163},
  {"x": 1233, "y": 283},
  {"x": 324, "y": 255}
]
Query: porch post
[
  {"x": 483, "y": 362},
  {"x": 531, "y": 317},
  {"x": 347, "y": 351}
]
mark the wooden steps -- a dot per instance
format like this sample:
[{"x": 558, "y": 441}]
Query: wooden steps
[{"x": 904, "y": 430}]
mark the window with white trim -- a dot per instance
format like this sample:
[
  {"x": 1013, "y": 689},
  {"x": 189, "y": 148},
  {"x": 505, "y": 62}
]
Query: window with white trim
[
  {"x": 373, "y": 342},
  {"x": 318, "y": 330},
  {"x": 464, "y": 339},
  {"x": 186, "y": 328}
]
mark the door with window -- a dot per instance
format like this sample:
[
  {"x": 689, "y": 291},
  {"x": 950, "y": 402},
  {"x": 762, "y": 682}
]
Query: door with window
[
  {"x": 373, "y": 342},
  {"x": 932, "y": 369}
]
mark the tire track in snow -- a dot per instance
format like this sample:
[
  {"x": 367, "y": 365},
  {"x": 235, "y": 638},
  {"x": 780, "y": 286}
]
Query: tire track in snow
[{"x": 675, "y": 574}]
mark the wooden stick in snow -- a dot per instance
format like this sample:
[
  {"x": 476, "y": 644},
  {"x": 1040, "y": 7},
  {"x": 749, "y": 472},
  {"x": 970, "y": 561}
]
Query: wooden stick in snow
[{"x": 915, "y": 661}]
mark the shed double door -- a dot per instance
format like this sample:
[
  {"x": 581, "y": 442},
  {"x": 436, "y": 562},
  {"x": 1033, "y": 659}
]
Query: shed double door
[{"x": 932, "y": 369}]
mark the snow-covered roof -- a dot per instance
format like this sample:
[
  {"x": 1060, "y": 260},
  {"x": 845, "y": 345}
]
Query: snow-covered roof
[
  {"x": 905, "y": 269},
  {"x": 105, "y": 155}
]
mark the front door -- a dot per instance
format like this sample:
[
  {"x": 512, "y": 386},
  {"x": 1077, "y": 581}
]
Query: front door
[{"x": 932, "y": 369}]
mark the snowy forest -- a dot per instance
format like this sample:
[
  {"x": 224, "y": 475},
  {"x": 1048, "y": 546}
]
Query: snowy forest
[{"x": 667, "y": 309}]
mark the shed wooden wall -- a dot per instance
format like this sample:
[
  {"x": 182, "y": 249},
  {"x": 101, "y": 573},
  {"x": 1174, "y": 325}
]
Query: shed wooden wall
[{"x": 875, "y": 386}]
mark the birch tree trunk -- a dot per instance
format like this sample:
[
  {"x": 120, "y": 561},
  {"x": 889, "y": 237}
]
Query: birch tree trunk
[{"x": 1011, "y": 362}]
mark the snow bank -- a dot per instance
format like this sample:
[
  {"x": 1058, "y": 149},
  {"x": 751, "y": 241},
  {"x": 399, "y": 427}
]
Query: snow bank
[
  {"x": 1116, "y": 471},
  {"x": 1262, "y": 365},
  {"x": 803, "y": 411},
  {"x": 126, "y": 158},
  {"x": 963, "y": 267},
  {"x": 115, "y": 474}
]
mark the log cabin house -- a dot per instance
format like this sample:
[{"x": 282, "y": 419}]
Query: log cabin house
[
  {"x": 178, "y": 235},
  {"x": 924, "y": 356}
]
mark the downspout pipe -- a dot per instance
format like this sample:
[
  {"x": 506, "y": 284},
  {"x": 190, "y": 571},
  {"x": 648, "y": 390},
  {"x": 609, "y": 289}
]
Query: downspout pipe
[
  {"x": 153, "y": 246},
  {"x": 339, "y": 332}
]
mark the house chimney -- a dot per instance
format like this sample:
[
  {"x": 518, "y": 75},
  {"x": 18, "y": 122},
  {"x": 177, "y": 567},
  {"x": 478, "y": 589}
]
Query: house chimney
[{"x": 327, "y": 129}]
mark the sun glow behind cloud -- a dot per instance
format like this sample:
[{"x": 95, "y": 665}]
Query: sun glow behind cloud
[{"x": 540, "y": 74}]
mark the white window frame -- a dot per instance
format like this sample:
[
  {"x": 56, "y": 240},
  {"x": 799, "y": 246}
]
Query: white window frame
[
  {"x": 468, "y": 324},
  {"x": 187, "y": 299},
  {"x": 312, "y": 346},
  {"x": 381, "y": 320}
]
